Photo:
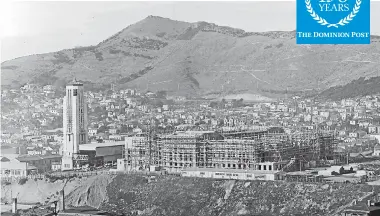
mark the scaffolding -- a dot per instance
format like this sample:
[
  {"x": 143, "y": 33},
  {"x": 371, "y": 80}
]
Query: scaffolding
[{"x": 250, "y": 151}]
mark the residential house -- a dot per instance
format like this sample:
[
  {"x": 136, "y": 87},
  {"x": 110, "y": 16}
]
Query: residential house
[{"x": 376, "y": 150}]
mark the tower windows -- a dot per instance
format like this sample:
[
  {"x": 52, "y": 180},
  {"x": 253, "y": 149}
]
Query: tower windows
[{"x": 75, "y": 93}]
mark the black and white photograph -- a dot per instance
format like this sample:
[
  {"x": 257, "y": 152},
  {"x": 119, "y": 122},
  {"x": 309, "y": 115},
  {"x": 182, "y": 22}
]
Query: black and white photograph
[{"x": 189, "y": 108}]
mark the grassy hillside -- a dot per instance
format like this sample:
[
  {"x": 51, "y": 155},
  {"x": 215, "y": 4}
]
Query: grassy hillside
[
  {"x": 199, "y": 59},
  {"x": 356, "y": 88}
]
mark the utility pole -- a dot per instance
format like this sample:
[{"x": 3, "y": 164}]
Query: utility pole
[{"x": 300, "y": 163}]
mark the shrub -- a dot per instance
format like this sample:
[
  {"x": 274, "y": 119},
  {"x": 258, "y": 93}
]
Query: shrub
[
  {"x": 5, "y": 182},
  {"x": 22, "y": 181}
]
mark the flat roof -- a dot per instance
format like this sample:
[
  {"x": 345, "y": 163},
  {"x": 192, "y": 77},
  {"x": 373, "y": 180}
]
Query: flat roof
[
  {"x": 83, "y": 210},
  {"x": 298, "y": 173},
  {"x": 361, "y": 208},
  {"x": 93, "y": 146},
  {"x": 26, "y": 158},
  {"x": 15, "y": 165},
  {"x": 229, "y": 170},
  {"x": 343, "y": 178},
  {"x": 188, "y": 134}
]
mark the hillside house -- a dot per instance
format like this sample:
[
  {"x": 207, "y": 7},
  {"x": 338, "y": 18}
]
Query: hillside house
[
  {"x": 376, "y": 150},
  {"x": 373, "y": 129},
  {"x": 92, "y": 132},
  {"x": 362, "y": 209}
]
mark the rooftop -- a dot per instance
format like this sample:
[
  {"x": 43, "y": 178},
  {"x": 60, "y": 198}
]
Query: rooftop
[
  {"x": 75, "y": 83},
  {"x": 16, "y": 165},
  {"x": 362, "y": 208},
  {"x": 229, "y": 170},
  {"x": 191, "y": 134},
  {"x": 93, "y": 146},
  {"x": 83, "y": 210},
  {"x": 27, "y": 158}
]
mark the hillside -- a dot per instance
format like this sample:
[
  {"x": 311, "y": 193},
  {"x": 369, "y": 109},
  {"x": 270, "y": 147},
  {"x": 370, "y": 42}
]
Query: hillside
[
  {"x": 199, "y": 59},
  {"x": 134, "y": 195},
  {"x": 356, "y": 88},
  {"x": 197, "y": 196},
  {"x": 46, "y": 191}
]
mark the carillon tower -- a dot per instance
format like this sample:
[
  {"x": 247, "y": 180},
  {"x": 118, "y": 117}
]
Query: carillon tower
[{"x": 74, "y": 123}]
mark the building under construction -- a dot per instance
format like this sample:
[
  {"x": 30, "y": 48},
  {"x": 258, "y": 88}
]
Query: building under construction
[{"x": 268, "y": 150}]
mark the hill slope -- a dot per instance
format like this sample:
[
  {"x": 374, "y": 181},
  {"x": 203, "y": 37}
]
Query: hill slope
[
  {"x": 132, "y": 194},
  {"x": 199, "y": 58},
  {"x": 129, "y": 194}
]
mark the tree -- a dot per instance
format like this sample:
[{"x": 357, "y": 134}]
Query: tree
[
  {"x": 161, "y": 94},
  {"x": 213, "y": 104},
  {"x": 102, "y": 129},
  {"x": 158, "y": 103},
  {"x": 98, "y": 109}
]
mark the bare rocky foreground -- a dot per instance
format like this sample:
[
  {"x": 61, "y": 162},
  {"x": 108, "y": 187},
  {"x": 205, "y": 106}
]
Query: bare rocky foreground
[
  {"x": 79, "y": 191},
  {"x": 168, "y": 195}
]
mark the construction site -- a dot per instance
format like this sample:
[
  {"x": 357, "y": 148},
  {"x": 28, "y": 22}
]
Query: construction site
[{"x": 264, "y": 150}]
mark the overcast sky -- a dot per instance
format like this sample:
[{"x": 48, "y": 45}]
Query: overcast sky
[{"x": 40, "y": 27}]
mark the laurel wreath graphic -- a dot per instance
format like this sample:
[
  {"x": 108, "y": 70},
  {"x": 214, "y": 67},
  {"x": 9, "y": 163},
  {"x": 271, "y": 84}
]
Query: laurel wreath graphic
[{"x": 342, "y": 22}]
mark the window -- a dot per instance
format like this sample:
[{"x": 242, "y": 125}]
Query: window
[
  {"x": 75, "y": 93},
  {"x": 202, "y": 173},
  {"x": 67, "y": 165}
]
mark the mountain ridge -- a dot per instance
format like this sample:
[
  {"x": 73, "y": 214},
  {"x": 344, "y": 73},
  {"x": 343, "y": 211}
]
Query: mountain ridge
[{"x": 199, "y": 58}]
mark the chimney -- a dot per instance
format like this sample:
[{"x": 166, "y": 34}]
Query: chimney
[
  {"x": 61, "y": 201},
  {"x": 369, "y": 203},
  {"x": 14, "y": 205}
]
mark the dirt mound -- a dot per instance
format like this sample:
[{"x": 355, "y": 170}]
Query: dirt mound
[
  {"x": 36, "y": 191},
  {"x": 91, "y": 193},
  {"x": 78, "y": 191}
]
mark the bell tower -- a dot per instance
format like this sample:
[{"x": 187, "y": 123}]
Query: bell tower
[{"x": 74, "y": 123}]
